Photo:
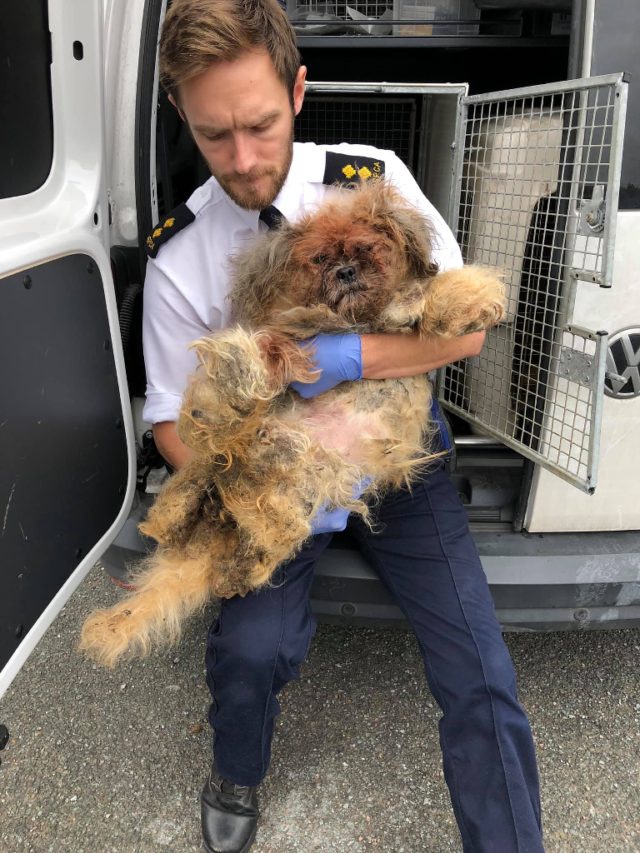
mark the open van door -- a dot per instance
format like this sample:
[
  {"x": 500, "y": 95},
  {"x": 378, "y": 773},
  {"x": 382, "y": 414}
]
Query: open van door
[
  {"x": 538, "y": 176},
  {"x": 67, "y": 470}
]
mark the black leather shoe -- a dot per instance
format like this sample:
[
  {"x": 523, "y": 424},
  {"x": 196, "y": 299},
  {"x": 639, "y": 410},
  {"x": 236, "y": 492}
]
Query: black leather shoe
[{"x": 229, "y": 815}]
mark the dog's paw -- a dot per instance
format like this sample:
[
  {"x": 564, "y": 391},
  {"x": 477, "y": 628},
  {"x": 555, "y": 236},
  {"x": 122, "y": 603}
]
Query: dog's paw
[
  {"x": 482, "y": 317},
  {"x": 462, "y": 301},
  {"x": 104, "y": 637}
]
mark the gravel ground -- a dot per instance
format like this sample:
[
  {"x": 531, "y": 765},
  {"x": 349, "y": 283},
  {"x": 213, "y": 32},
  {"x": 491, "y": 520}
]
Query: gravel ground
[{"x": 114, "y": 761}]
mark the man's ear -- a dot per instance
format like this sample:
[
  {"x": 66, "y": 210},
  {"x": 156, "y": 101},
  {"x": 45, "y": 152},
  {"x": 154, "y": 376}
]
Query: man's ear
[
  {"x": 298, "y": 89},
  {"x": 173, "y": 101}
]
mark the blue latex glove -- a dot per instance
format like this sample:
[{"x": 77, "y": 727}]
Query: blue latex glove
[
  {"x": 329, "y": 522},
  {"x": 336, "y": 520},
  {"x": 339, "y": 357}
]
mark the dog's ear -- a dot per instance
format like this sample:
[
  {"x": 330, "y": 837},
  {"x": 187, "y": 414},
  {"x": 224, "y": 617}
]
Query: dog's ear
[
  {"x": 418, "y": 237},
  {"x": 259, "y": 274},
  {"x": 407, "y": 227}
]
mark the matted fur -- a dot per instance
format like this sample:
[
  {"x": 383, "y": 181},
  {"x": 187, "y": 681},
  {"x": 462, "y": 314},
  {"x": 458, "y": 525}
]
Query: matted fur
[{"x": 264, "y": 459}]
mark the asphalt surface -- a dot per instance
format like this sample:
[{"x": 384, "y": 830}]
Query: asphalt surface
[{"x": 114, "y": 761}]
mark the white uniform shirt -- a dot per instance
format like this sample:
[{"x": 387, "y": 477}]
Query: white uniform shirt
[{"x": 186, "y": 284}]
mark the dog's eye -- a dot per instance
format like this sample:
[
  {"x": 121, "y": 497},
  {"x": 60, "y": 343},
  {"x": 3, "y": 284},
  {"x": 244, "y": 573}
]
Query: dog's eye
[{"x": 319, "y": 259}]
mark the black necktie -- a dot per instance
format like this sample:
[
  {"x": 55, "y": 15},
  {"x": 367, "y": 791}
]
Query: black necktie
[{"x": 272, "y": 217}]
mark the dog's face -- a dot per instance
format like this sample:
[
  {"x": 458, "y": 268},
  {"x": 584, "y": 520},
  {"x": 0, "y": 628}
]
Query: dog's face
[
  {"x": 357, "y": 254},
  {"x": 347, "y": 259}
]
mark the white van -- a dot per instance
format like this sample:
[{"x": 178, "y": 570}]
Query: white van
[{"x": 542, "y": 180}]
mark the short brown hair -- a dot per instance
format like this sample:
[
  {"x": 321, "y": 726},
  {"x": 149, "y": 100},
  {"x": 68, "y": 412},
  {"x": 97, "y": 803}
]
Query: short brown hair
[{"x": 197, "y": 33}]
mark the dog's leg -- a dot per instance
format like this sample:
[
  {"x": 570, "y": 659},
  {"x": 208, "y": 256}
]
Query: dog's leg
[
  {"x": 186, "y": 497},
  {"x": 227, "y": 400},
  {"x": 168, "y": 591},
  {"x": 462, "y": 301},
  {"x": 272, "y": 497},
  {"x": 273, "y": 532}
]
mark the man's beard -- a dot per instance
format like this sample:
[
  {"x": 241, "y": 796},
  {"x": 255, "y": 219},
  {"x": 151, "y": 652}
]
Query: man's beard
[{"x": 239, "y": 189}]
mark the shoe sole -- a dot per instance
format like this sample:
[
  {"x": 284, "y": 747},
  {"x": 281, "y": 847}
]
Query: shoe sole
[{"x": 245, "y": 849}]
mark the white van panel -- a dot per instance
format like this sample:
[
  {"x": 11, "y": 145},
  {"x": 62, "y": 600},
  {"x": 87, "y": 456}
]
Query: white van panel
[
  {"x": 66, "y": 217},
  {"x": 123, "y": 23},
  {"x": 555, "y": 506}
]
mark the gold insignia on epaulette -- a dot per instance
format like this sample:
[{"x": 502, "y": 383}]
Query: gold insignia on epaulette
[
  {"x": 347, "y": 169},
  {"x": 176, "y": 220}
]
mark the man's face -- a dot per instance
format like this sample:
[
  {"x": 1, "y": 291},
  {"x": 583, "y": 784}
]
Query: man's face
[{"x": 241, "y": 118}]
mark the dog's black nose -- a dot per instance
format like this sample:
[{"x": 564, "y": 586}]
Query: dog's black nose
[{"x": 346, "y": 275}]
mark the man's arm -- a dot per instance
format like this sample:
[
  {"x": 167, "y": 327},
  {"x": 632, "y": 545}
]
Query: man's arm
[
  {"x": 170, "y": 324},
  {"x": 169, "y": 444},
  {"x": 383, "y": 357},
  {"x": 394, "y": 356},
  {"x": 348, "y": 357}
]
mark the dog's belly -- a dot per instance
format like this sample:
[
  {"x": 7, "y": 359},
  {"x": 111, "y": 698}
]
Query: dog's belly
[
  {"x": 375, "y": 423},
  {"x": 337, "y": 426}
]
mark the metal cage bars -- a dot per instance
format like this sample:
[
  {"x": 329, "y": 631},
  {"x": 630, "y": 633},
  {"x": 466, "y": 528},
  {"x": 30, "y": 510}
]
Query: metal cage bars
[
  {"x": 534, "y": 192},
  {"x": 388, "y": 123},
  {"x": 537, "y": 196},
  {"x": 385, "y": 17}
]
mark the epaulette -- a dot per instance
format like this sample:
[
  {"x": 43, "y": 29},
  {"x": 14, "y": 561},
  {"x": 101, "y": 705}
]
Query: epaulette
[
  {"x": 175, "y": 221},
  {"x": 350, "y": 169}
]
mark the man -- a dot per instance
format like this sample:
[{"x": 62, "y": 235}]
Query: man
[{"x": 233, "y": 72}]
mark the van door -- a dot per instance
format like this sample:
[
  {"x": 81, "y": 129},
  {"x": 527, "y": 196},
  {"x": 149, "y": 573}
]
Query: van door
[
  {"x": 67, "y": 472},
  {"x": 538, "y": 174}
]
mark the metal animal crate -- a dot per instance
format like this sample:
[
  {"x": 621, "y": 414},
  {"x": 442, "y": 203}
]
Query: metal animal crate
[
  {"x": 529, "y": 179},
  {"x": 538, "y": 188},
  {"x": 415, "y": 120},
  {"x": 385, "y": 122},
  {"x": 384, "y": 17}
]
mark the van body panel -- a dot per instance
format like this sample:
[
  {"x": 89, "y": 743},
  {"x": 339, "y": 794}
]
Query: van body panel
[
  {"x": 123, "y": 22},
  {"x": 65, "y": 498},
  {"x": 69, "y": 465},
  {"x": 556, "y": 507}
]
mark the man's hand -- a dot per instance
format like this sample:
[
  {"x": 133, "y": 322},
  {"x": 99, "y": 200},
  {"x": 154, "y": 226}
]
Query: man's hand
[
  {"x": 329, "y": 522},
  {"x": 325, "y": 521},
  {"x": 338, "y": 357}
]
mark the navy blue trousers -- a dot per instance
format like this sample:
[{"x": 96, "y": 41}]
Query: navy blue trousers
[{"x": 426, "y": 556}]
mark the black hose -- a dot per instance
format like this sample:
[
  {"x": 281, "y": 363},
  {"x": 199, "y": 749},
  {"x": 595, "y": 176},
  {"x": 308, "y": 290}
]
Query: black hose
[{"x": 127, "y": 310}]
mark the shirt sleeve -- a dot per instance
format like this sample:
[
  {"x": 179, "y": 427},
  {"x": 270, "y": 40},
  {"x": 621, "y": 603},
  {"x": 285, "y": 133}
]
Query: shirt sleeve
[
  {"x": 446, "y": 251},
  {"x": 170, "y": 324}
]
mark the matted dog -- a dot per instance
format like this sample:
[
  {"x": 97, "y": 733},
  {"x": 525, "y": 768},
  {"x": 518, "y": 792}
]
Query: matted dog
[{"x": 265, "y": 460}]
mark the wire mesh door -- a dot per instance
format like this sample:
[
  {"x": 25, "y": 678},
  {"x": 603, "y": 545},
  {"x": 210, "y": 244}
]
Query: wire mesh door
[{"x": 537, "y": 194}]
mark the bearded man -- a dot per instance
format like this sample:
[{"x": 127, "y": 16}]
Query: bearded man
[{"x": 233, "y": 72}]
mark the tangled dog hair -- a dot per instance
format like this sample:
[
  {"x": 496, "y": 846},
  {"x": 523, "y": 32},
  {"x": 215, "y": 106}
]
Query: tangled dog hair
[{"x": 265, "y": 460}]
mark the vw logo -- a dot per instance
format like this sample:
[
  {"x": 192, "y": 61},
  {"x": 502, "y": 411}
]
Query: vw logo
[{"x": 622, "y": 376}]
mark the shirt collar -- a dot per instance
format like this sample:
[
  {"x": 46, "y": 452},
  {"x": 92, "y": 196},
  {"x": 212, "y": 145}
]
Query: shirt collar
[
  {"x": 307, "y": 166},
  {"x": 248, "y": 218}
]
